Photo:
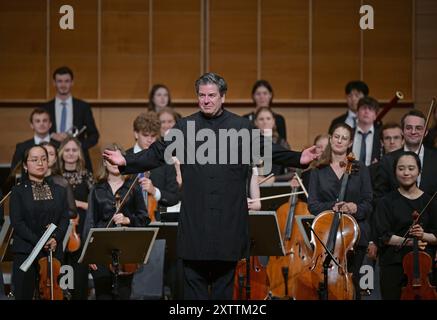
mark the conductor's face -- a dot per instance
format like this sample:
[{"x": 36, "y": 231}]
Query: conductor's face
[{"x": 210, "y": 101}]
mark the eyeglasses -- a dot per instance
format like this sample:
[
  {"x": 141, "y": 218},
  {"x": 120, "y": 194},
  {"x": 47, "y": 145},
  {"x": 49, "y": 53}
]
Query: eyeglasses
[{"x": 37, "y": 160}]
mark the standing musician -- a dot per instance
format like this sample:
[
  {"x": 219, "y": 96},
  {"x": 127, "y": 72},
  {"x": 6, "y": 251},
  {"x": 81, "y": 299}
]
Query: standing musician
[
  {"x": 355, "y": 90},
  {"x": 69, "y": 114},
  {"x": 213, "y": 223},
  {"x": 413, "y": 127},
  {"x": 393, "y": 218},
  {"x": 162, "y": 182},
  {"x": 325, "y": 184},
  {"x": 73, "y": 169},
  {"x": 265, "y": 120},
  {"x": 34, "y": 204},
  {"x": 262, "y": 96},
  {"x": 108, "y": 192}
]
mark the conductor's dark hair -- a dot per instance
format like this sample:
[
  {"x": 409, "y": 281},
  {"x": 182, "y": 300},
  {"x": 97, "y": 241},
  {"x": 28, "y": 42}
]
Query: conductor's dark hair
[
  {"x": 212, "y": 78},
  {"x": 63, "y": 70},
  {"x": 404, "y": 154},
  {"x": 358, "y": 85}
]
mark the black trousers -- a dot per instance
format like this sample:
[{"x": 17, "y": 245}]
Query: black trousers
[
  {"x": 205, "y": 280},
  {"x": 103, "y": 285},
  {"x": 392, "y": 280},
  {"x": 354, "y": 267},
  {"x": 24, "y": 283},
  {"x": 80, "y": 291}
]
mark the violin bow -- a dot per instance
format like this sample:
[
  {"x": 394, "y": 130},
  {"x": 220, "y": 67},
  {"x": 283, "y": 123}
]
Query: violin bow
[
  {"x": 123, "y": 201},
  {"x": 430, "y": 112},
  {"x": 301, "y": 184},
  {"x": 266, "y": 178},
  {"x": 415, "y": 220},
  {"x": 276, "y": 196}
]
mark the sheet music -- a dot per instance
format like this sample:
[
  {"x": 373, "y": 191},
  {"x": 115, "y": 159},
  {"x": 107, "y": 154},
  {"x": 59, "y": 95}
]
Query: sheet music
[
  {"x": 45, "y": 237},
  {"x": 175, "y": 208}
]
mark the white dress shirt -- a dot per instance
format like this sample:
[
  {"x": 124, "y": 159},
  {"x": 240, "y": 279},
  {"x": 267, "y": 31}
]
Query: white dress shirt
[
  {"x": 351, "y": 119},
  {"x": 39, "y": 140},
  {"x": 356, "y": 148}
]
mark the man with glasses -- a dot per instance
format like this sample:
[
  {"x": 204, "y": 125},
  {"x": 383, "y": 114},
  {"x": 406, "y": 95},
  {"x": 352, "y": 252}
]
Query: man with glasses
[{"x": 413, "y": 129}]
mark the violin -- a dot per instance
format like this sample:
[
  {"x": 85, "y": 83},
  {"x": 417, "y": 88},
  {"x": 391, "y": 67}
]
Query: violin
[
  {"x": 74, "y": 239},
  {"x": 417, "y": 266},
  {"x": 49, "y": 269},
  {"x": 253, "y": 285},
  {"x": 282, "y": 271},
  {"x": 334, "y": 235}
]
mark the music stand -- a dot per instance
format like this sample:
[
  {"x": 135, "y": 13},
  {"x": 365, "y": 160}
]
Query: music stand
[
  {"x": 305, "y": 231},
  {"x": 272, "y": 190},
  {"x": 167, "y": 231},
  {"x": 115, "y": 246}
]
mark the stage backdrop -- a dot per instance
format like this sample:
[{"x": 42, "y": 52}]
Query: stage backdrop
[{"x": 118, "y": 49}]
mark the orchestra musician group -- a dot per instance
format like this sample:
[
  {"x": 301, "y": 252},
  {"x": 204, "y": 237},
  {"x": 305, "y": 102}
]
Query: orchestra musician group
[{"x": 368, "y": 187}]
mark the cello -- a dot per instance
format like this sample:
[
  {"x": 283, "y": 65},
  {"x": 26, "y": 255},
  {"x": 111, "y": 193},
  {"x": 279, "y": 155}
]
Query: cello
[
  {"x": 334, "y": 235},
  {"x": 251, "y": 281},
  {"x": 282, "y": 271}
]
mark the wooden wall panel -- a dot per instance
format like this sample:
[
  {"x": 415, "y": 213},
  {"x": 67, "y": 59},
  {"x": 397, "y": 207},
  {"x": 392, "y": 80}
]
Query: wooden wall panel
[
  {"x": 23, "y": 49},
  {"x": 285, "y": 47},
  {"x": 426, "y": 6},
  {"x": 233, "y": 44},
  {"x": 387, "y": 62},
  {"x": 177, "y": 45},
  {"x": 125, "y": 49},
  {"x": 336, "y": 47},
  {"x": 426, "y": 80},
  {"x": 426, "y": 44},
  {"x": 76, "y": 48}
]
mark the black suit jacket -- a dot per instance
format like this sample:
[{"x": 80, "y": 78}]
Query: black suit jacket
[
  {"x": 82, "y": 116},
  {"x": 164, "y": 178},
  {"x": 22, "y": 147},
  {"x": 387, "y": 182},
  {"x": 279, "y": 120},
  {"x": 29, "y": 217}
]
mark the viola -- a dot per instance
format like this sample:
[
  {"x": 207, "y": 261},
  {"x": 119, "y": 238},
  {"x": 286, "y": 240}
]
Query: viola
[
  {"x": 49, "y": 269},
  {"x": 417, "y": 266},
  {"x": 282, "y": 271},
  {"x": 325, "y": 278}
]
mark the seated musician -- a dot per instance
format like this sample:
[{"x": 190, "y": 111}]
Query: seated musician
[
  {"x": 34, "y": 204},
  {"x": 325, "y": 185},
  {"x": 110, "y": 189},
  {"x": 393, "y": 218}
]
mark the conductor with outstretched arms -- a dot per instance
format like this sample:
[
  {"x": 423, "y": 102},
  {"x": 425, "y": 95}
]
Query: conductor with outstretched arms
[{"x": 213, "y": 225}]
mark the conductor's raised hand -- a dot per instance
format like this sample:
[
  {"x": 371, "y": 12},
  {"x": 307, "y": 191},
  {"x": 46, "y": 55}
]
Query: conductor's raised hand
[
  {"x": 114, "y": 157},
  {"x": 309, "y": 155}
]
